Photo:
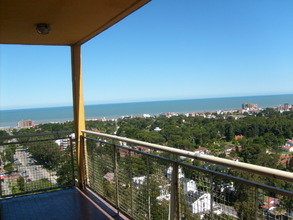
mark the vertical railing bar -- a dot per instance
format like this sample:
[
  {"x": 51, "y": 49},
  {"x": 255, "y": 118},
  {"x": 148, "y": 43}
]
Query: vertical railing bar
[
  {"x": 256, "y": 203},
  {"x": 131, "y": 187},
  {"x": 1, "y": 187},
  {"x": 72, "y": 161},
  {"x": 212, "y": 196},
  {"x": 91, "y": 166},
  {"x": 116, "y": 179},
  {"x": 86, "y": 179},
  {"x": 174, "y": 209},
  {"x": 82, "y": 145},
  {"x": 148, "y": 187},
  {"x": 101, "y": 169}
]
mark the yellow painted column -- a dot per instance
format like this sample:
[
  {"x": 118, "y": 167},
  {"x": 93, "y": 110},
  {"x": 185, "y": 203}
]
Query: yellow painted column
[{"x": 78, "y": 107}]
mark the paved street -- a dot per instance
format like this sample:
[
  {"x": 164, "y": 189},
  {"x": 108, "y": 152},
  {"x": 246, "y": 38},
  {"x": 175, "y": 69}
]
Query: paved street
[
  {"x": 29, "y": 168},
  {"x": 5, "y": 188}
]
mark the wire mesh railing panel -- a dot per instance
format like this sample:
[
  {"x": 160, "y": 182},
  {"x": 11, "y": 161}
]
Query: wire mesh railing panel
[
  {"x": 100, "y": 168},
  {"x": 153, "y": 185},
  {"x": 195, "y": 193},
  {"x": 94, "y": 167},
  {"x": 160, "y": 187},
  {"x": 125, "y": 182},
  {"x": 273, "y": 205},
  {"x": 216, "y": 195},
  {"x": 36, "y": 163},
  {"x": 144, "y": 189}
]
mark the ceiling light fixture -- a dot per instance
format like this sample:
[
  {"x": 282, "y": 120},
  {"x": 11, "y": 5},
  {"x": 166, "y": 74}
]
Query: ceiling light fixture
[{"x": 43, "y": 28}]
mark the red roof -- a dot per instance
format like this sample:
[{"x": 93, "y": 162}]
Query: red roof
[{"x": 270, "y": 202}]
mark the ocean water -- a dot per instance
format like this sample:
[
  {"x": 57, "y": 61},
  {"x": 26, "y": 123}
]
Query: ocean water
[{"x": 9, "y": 118}]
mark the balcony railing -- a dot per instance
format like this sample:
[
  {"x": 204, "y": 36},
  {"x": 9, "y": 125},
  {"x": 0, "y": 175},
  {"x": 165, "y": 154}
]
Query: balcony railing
[
  {"x": 35, "y": 163},
  {"x": 148, "y": 181}
]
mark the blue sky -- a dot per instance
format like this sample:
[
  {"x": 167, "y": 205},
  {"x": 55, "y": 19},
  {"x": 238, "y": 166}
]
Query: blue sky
[{"x": 169, "y": 49}]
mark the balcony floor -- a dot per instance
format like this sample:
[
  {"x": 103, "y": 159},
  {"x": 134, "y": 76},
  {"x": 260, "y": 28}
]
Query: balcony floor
[{"x": 69, "y": 204}]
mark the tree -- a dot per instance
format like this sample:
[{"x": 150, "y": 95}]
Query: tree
[{"x": 21, "y": 183}]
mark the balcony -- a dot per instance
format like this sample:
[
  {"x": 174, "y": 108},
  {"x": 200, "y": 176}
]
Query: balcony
[
  {"x": 125, "y": 178},
  {"x": 100, "y": 176}
]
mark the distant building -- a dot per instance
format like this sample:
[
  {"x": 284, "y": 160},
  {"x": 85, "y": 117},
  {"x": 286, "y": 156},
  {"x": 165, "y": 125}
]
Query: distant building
[
  {"x": 286, "y": 107},
  {"x": 202, "y": 150},
  {"x": 202, "y": 204},
  {"x": 289, "y": 143},
  {"x": 249, "y": 106},
  {"x": 285, "y": 160},
  {"x": 168, "y": 115},
  {"x": 287, "y": 148},
  {"x": 237, "y": 137},
  {"x": 26, "y": 124},
  {"x": 270, "y": 203},
  {"x": 63, "y": 143}
]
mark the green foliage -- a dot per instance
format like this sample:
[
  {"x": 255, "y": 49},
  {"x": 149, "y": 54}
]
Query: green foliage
[
  {"x": 65, "y": 172},
  {"x": 38, "y": 185},
  {"x": 55, "y": 127},
  {"x": 9, "y": 168},
  {"x": 3, "y": 133},
  {"x": 21, "y": 183}
]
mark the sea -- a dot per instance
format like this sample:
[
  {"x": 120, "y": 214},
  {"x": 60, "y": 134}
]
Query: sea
[{"x": 9, "y": 118}]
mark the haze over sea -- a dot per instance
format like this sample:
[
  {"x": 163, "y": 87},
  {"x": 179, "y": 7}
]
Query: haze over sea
[{"x": 9, "y": 118}]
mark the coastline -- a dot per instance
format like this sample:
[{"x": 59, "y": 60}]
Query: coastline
[{"x": 9, "y": 118}]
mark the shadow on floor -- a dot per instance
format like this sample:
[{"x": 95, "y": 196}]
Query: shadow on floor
[{"x": 69, "y": 204}]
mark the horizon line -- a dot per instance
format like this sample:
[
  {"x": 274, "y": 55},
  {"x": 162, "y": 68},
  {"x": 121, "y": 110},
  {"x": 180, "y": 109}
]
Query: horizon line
[{"x": 133, "y": 102}]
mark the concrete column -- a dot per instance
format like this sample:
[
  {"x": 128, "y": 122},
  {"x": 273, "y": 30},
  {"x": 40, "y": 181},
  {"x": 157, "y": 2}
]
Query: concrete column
[{"x": 78, "y": 107}]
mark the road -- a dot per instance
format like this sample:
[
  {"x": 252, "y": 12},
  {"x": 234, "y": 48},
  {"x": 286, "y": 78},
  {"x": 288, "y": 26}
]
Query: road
[
  {"x": 29, "y": 168},
  {"x": 5, "y": 188}
]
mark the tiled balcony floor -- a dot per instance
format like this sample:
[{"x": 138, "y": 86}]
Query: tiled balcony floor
[{"x": 69, "y": 204}]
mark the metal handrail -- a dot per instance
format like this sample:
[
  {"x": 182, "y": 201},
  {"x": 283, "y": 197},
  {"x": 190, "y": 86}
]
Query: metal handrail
[
  {"x": 265, "y": 171},
  {"x": 35, "y": 134},
  {"x": 203, "y": 170}
]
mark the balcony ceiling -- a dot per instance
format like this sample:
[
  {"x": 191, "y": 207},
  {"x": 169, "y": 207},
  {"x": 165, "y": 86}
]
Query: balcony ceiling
[{"x": 72, "y": 21}]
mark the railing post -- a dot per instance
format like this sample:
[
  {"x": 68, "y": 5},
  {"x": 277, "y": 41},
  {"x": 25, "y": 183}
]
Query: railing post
[
  {"x": 85, "y": 156},
  {"x": 81, "y": 164},
  {"x": 72, "y": 161},
  {"x": 174, "y": 199},
  {"x": 1, "y": 188}
]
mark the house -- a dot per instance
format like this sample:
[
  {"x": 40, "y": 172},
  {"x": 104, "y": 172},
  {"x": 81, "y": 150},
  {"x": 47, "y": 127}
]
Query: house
[
  {"x": 12, "y": 177},
  {"x": 143, "y": 149},
  {"x": 62, "y": 143},
  {"x": 164, "y": 193},
  {"x": 202, "y": 204},
  {"x": 124, "y": 152},
  {"x": 237, "y": 137},
  {"x": 228, "y": 149},
  {"x": 139, "y": 180},
  {"x": 109, "y": 176},
  {"x": 287, "y": 148},
  {"x": 289, "y": 143},
  {"x": 189, "y": 186},
  {"x": 270, "y": 203},
  {"x": 202, "y": 150},
  {"x": 285, "y": 160}
]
